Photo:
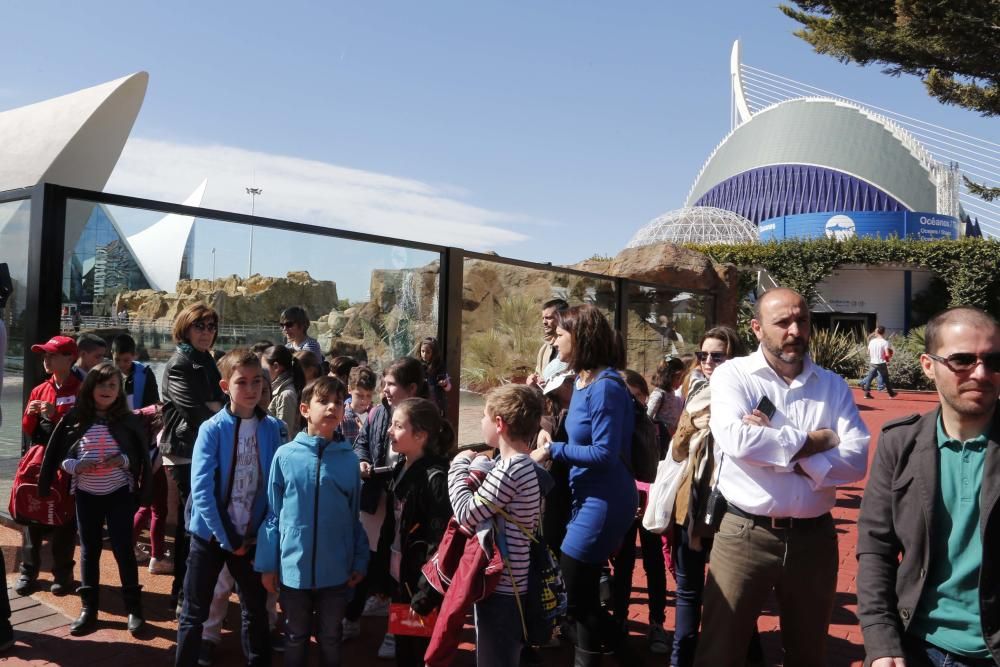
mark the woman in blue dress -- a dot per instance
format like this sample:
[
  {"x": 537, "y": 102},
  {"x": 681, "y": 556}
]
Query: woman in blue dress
[{"x": 604, "y": 499}]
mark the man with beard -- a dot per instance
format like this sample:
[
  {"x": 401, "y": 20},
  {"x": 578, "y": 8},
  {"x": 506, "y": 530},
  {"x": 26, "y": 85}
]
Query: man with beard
[
  {"x": 928, "y": 535},
  {"x": 550, "y": 320},
  {"x": 780, "y": 463}
]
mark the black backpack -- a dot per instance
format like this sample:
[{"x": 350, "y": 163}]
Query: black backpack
[{"x": 645, "y": 440}]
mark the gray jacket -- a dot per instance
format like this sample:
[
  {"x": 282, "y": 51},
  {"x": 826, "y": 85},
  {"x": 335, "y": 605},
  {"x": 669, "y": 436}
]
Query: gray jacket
[{"x": 897, "y": 513}]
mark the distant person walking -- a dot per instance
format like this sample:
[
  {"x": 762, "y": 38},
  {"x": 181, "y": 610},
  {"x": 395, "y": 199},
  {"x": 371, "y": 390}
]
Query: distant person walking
[{"x": 879, "y": 353}]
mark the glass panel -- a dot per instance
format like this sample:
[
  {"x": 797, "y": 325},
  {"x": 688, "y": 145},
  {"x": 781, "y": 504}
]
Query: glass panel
[
  {"x": 15, "y": 221},
  {"x": 502, "y": 326},
  {"x": 663, "y": 322},
  {"x": 134, "y": 270}
]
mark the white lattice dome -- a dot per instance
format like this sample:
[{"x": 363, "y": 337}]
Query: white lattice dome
[{"x": 696, "y": 224}]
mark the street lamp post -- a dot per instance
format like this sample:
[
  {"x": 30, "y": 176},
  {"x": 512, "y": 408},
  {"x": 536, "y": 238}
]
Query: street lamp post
[
  {"x": 253, "y": 192},
  {"x": 213, "y": 265}
]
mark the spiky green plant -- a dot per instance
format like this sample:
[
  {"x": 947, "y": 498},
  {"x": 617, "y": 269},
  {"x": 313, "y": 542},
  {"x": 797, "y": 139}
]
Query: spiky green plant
[{"x": 839, "y": 351}]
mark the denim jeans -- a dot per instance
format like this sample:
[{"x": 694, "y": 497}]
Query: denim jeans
[
  {"x": 92, "y": 511},
  {"x": 205, "y": 561},
  {"x": 63, "y": 541},
  {"x": 922, "y": 654},
  {"x": 656, "y": 574},
  {"x": 882, "y": 370},
  {"x": 499, "y": 635},
  {"x": 689, "y": 570},
  {"x": 327, "y": 606}
]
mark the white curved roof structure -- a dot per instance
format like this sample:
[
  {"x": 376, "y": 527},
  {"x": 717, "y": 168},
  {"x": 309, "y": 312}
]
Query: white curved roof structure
[
  {"x": 831, "y": 134},
  {"x": 159, "y": 248},
  {"x": 696, "y": 224}
]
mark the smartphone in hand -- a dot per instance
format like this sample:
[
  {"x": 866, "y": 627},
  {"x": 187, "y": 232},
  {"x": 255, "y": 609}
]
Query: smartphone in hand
[{"x": 767, "y": 407}]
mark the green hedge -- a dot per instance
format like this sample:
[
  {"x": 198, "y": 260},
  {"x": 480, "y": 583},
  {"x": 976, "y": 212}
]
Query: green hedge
[{"x": 969, "y": 268}]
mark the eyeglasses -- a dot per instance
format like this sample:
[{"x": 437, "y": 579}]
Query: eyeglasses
[
  {"x": 286, "y": 325},
  {"x": 205, "y": 326},
  {"x": 963, "y": 362},
  {"x": 716, "y": 357}
]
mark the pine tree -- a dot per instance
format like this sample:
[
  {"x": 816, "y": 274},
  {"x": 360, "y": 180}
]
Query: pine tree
[{"x": 952, "y": 45}]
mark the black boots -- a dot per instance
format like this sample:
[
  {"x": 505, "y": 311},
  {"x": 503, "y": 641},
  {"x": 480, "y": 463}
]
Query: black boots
[
  {"x": 582, "y": 658},
  {"x": 133, "y": 606},
  {"x": 87, "y": 621}
]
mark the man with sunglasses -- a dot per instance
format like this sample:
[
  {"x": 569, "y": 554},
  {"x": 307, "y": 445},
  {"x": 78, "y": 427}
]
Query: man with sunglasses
[
  {"x": 789, "y": 434},
  {"x": 929, "y": 531}
]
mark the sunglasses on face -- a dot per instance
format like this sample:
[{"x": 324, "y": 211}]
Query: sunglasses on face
[
  {"x": 205, "y": 326},
  {"x": 717, "y": 357},
  {"x": 963, "y": 362},
  {"x": 286, "y": 325}
]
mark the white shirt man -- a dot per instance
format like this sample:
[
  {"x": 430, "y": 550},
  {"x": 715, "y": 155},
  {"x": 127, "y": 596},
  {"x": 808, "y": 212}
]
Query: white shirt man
[
  {"x": 779, "y": 475},
  {"x": 879, "y": 353}
]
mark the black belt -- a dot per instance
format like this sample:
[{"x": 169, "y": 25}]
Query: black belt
[{"x": 779, "y": 523}]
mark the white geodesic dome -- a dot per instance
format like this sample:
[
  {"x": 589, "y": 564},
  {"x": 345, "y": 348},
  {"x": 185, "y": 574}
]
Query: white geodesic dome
[{"x": 696, "y": 224}]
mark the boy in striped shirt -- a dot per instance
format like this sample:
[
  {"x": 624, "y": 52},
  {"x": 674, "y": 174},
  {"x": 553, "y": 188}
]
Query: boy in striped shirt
[{"x": 511, "y": 419}]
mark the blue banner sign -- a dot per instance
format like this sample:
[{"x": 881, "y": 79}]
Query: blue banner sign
[{"x": 846, "y": 224}]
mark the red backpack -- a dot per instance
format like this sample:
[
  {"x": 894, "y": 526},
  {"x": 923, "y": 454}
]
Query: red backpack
[{"x": 27, "y": 507}]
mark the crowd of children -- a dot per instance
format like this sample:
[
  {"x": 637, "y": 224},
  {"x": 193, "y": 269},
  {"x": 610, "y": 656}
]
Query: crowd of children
[{"x": 329, "y": 488}]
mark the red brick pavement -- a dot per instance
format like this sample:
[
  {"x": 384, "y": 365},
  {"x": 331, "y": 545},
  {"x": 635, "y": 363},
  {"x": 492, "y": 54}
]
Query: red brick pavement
[{"x": 43, "y": 639}]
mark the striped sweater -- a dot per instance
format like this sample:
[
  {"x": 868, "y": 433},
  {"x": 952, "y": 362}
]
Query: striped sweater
[
  {"x": 511, "y": 484},
  {"x": 98, "y": 444}
]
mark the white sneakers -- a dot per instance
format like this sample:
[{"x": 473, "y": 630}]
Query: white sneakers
[
  {"x": 375, "y": 606},
  {"x": 388, "y": 648},
  {"x": 161, "y": 566}
]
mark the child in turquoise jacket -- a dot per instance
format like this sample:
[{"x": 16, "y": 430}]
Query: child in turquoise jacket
[{"x": 312, "y": 541}]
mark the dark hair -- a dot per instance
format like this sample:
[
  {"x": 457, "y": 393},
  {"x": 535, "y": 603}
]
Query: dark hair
[
  {"x": 667, "y": 371},
  {"x": 432, "y": 367},
  {"x": 296, "y": 314},
  {"x": 323, "y": 387},
  {"x": 634, "y": 379},
  {"x": 306, "y": 360},
  {"x": 362, "y": 377},
  {"x": 122, "y": 344},
  {"x": 194, "y": 313},
  {"x": 728, "y": 335},
  {"x": 260, "y": 347},
  {"x": 281, "y": 355},
  {"x": 966, "y": 314},
  {"x": 558, "y": 304},
  {"x": 342, "y": 366},
  {"x": 880, "y": 329},
  {"x": 407, "y": 371},
  {"x": 425, "y": 416},
  {"x": 89, "y": 342},
  {"x": 85, "y": 405},
  {"x": 237, "y": 358},
  {"x": 594, "y": 342}
]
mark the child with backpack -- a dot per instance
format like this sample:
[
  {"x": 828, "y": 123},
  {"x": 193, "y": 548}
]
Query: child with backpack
[
  {"x": 313, "y": 546},
  {"x": 419, "y": 509},
  {"x": 49, "y": 402},
  {"x": 102, "y": 444},
  {"x": 510, "y": 497},
  {"x": 230, "y": 464}
]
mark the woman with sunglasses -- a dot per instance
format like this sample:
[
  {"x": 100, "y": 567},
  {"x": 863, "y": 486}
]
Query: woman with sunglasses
[
  {"x": 191, "y": 394},
  {"x": 692, "y": 540},
  {"x": 294, "y": 322}
]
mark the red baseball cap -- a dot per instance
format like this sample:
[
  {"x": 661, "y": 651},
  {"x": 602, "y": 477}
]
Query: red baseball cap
[{"x": 57, "y": 345}]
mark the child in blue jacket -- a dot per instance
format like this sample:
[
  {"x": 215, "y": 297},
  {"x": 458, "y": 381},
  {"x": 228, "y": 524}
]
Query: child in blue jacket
[
  {"x": 230, "y": 464},
  {"x": 313, "y": 541}
]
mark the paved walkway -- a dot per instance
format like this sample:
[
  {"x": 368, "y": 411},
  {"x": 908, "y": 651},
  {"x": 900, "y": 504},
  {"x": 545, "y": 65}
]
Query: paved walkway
[{"x": 41, "y": 620}]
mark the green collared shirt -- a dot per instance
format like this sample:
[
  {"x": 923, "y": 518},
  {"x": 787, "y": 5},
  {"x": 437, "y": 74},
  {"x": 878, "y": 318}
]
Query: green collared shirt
[{"x": 948, "y": 613}]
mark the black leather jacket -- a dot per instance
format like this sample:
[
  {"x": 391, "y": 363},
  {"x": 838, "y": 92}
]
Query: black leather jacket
[
  {"x": 426, "y": 508},
  {"x": 190, "y": 380},
  {"x": 129, "y": 433}
]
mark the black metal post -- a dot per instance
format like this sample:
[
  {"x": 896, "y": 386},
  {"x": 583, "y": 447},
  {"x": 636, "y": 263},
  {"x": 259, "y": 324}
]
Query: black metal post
[{"x": 450, "y": 323}]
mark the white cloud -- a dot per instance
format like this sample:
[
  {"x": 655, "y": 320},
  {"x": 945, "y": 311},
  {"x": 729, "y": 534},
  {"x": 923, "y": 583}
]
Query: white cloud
[{"x": 312, "y": 192}]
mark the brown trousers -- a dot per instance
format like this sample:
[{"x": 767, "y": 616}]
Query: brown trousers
[{"x": 747, "y": 562}]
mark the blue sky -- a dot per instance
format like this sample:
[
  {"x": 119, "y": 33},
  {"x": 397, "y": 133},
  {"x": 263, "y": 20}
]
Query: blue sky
[{"x": 549, "y": 131}]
